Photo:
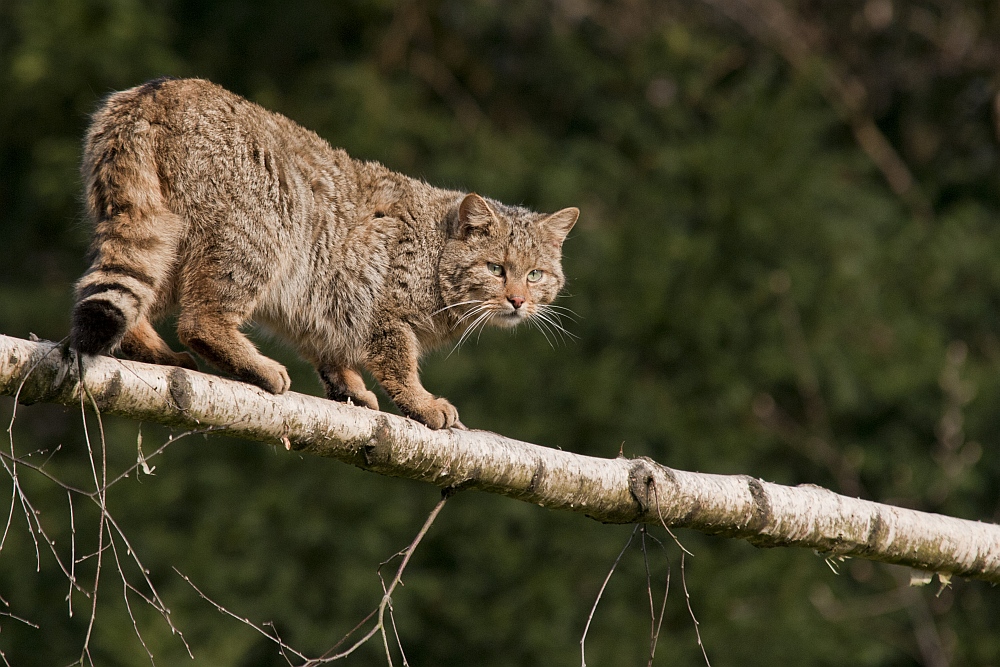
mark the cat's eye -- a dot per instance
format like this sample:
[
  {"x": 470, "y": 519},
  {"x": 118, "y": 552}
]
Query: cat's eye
[
  {"x": 534, "y": 276},
  {"x": 495, "y": 269}
]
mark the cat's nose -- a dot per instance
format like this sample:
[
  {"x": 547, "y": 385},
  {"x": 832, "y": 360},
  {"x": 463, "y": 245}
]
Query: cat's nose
[{"x": 516, "y": 301}]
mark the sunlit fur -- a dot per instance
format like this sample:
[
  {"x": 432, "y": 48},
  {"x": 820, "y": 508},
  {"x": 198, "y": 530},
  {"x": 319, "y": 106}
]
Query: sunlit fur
[
  {"x": 207, "y": 204},
  {"x": 518, "y": 240}
]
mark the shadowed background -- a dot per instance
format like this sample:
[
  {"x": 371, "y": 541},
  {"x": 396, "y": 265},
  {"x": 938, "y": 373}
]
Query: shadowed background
[{"x": 785, "y": 266}]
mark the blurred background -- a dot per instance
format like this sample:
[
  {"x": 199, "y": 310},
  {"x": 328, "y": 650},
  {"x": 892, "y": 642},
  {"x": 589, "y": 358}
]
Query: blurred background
[{"x": 786, "y": 266}]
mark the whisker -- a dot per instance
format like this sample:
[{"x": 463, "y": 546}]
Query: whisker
[
  {"x": 538, "y": 325},
  {"x": 455, "y": 305},
  {"x": 565, "y": 312},
  {"x": 475, "y": 320},
  {"x": 472, "y": 311},
  {"x": 557, "y": 329},
  {"x": 558, "y": 305},
  {"x": 558, "y": 333},
  {"x": 554, "y": 322},
  {"x": 483, "y": 326},
  {"x": 553, "y": 319},
  {"x": 558, "y": 319},
  {"x": 481, "y": 319}
]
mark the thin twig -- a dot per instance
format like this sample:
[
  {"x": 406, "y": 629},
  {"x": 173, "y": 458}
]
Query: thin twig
[
  {"x": 649, "y": 591},
  {"x": 600, "y": 593},
  {"x": 72, "y": 552},
  {"x": 107, "y": 522},
  {"x": 387, "y": 597},
  {"x": 85, "y": 652},
  {"x": 656, "y": 623},
  {"x": 21, "y": 619},
  {"x": 687, "y": 599},
  {"x": 273, "y": 636},
  {"x": 128, "y": 605},
  {"x": 687, "y": 596},
  {"x": 10, "y": 461},
  {"x": 386, "y": 604}
]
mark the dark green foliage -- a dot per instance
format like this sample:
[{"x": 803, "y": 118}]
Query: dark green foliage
[{"x": 751, "y": 298}]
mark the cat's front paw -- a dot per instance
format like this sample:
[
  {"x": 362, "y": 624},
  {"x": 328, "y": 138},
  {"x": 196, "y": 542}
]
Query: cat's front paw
[
  {"x": 436, "y": 413},
  {"x": 269, "y": 375}
]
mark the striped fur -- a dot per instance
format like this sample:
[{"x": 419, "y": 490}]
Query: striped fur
[{"x": 209, "y": 205}]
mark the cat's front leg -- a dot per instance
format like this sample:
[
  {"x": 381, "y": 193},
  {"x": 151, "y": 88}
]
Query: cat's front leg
[{"x": 393, "y": 356}]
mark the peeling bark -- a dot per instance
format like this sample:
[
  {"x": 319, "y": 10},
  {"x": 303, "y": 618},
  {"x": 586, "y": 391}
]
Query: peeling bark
[{"x": 617, "y": 490}]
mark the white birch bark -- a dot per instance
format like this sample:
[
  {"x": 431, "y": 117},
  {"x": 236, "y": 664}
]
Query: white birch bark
[{"x": 617, "y": 490}]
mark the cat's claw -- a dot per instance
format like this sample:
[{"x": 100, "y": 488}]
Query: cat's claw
[
  {"x": 437, "y": 413},
  {"x": 364, "y": 400}
]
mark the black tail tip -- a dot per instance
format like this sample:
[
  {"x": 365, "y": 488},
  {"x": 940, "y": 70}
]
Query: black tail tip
[{"x": 98, "y": 326}]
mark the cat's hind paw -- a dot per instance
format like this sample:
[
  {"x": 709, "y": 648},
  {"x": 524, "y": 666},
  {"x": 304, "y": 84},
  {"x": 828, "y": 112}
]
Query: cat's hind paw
[
  {"x": 365, "y": 399},
  {"x": 347, "y": 386}
]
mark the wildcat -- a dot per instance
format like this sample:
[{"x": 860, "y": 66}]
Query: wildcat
[{"x": 210, "y": 204}]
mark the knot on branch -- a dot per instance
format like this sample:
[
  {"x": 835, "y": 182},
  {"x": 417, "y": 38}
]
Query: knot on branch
[
  {"x": 652, "y": 486},
  {"x": 762, "y": 516},
  {"x": 378, "y": 449},
  {"x": 180, "y": 388},
  {"x": 111, "y": 391},
  {"x": 641, "y": 483}
]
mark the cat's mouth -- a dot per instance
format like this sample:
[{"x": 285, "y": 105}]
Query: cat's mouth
[
  {"x": 509, "y": 317},
  {"x": 482, "y": 313}
]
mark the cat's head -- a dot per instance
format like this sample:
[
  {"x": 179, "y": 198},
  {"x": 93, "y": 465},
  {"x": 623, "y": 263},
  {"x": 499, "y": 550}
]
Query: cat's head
[{"x": 502, "y": 264}]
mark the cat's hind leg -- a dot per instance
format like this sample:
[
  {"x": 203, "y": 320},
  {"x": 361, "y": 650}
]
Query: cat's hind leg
[
  {"x": 346, "y": 384},
  {"x": 215, "y": 335},
  {"x": 142, "y": 343},
  {"x": 218, "y": 289}
]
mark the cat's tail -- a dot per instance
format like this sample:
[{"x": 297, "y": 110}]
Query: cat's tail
[{"x": 136, "y": 236}]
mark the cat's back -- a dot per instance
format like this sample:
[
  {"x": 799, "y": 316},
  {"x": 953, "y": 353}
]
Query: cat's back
[
  {"x": 192, "y": 127},
  {"x": 186, "y": 106}
]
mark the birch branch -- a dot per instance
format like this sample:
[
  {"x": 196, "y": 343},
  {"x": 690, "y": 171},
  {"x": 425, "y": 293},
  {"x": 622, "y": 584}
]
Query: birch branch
[{"x": 617, "y": 490}]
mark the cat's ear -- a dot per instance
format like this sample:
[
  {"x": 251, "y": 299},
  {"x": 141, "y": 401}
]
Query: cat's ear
[
  {"x": 474, "y": 215},
  {"x": 558, "y": 224}
]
